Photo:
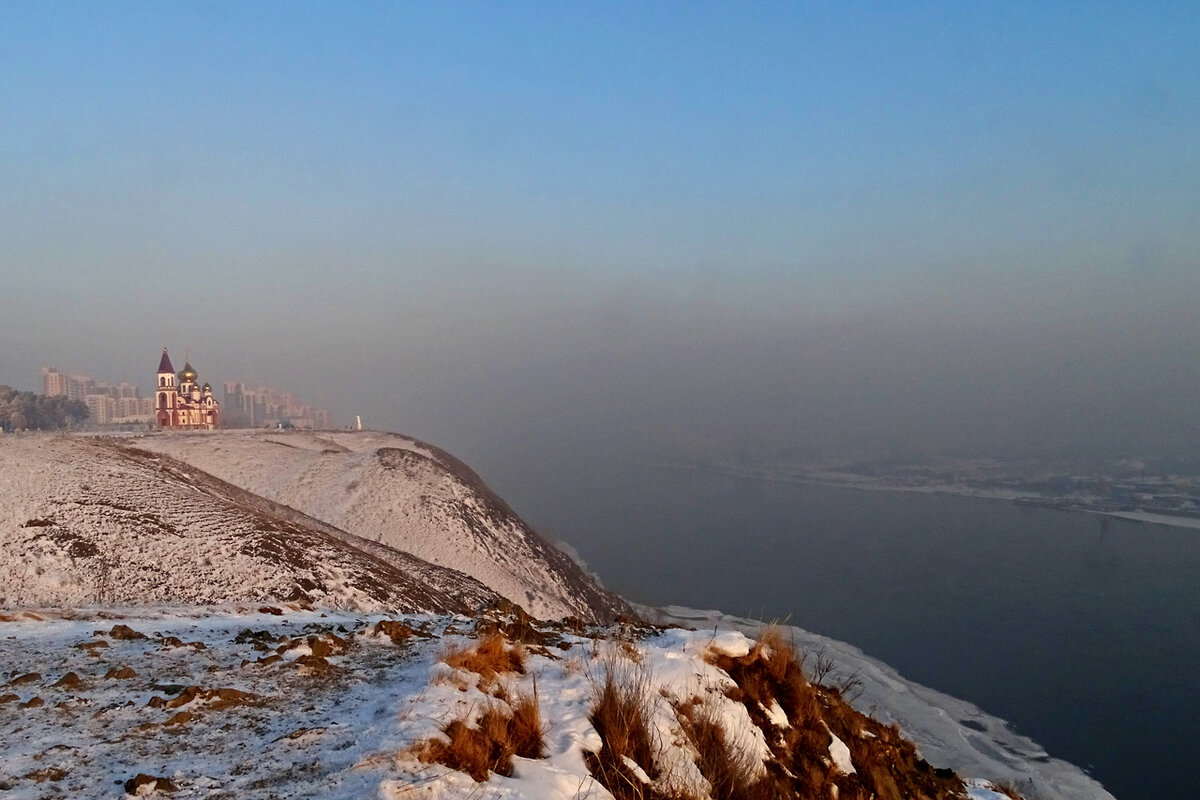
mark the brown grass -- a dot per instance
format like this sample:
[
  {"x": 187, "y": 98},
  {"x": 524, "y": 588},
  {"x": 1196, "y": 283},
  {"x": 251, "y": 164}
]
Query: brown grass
[
  {"x": 492, "y": 743},
  {"x": 1008, "y": 790},
  {"x": 630, "y": 651},
  {"x": 622, "y": 707},
  {"x": 527, "y": 732},
  {"x": 491, "y": 656},
  {"x": 730, "y": 771},
  {"x": 778, "y": 653},
  {"x": 475, "y": 751},
  {"x": 887, "y": 765},
  {"x": 773, "y": 672},
  {"x": 511, "y": 621},
  {"x": 398, "y": 632}
]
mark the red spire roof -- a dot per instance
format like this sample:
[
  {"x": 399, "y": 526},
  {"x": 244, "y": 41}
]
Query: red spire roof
[{"x": 165, "y": 364}]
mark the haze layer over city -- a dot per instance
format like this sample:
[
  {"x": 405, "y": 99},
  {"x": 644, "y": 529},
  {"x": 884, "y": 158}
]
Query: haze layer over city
[{"x": 537, "y": 234}]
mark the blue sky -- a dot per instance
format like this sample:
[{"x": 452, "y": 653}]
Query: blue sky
[{"x": 272, "y": 184}]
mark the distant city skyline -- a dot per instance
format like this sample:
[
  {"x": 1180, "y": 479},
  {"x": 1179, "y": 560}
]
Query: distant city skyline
[{"x": 122, "y": 403}]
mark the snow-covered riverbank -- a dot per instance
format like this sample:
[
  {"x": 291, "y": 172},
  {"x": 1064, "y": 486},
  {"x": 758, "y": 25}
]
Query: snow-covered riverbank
[{"x": 948, "y": 731}]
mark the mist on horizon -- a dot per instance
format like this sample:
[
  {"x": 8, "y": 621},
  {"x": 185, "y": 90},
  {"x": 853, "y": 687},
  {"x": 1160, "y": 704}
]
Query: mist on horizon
[{"x": 543, "y": 238}]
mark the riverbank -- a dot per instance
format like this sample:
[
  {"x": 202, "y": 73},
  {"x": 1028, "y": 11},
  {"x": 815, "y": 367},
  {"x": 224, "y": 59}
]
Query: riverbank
[
  {"x": 859, "y": 483},
  {"x": 947, "y": 730}
]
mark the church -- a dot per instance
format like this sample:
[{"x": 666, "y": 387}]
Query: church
[{"x": 183, "y": 405}]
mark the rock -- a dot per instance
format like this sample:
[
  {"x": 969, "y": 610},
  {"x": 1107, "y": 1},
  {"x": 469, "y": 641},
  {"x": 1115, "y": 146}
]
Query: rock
[
  {"x": 33, "y": 702},
  {"x": 398, "y": 632},
  {"x": 261, "y": 640},
  {"x": 263, "y": 661},
  {"x": 220, "y": 699},
  {"x": 134, "y": 785},
  {"x": 125, "y": 632},
  {"x": 228, "y": 698},
  {"x": 180, "y": 718},
  {"x": 69, "y": 681},
  {"x": 28, "y": 677},
  {"x": 91, "y": 647},
  {"x": 47, "y": 774},
  {"x": 327, "y": 645},
  {"x": 183, "y": 698},
  {"x": 121, "y": 674},
  {"x": 313, "y": 665},
  {"x": 9, "y": 698},
  {"x": 175, "y": 641}
]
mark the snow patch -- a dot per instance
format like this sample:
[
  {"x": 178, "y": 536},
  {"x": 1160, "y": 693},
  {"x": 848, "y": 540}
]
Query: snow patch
[{"x": 839, "y": 753}]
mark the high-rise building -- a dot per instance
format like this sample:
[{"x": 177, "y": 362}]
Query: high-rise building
[
  {"x": 129, "y": 406},
  {"x": 108, "y": 403},
  {"x": 102, "y": 408},
  {"x": 54, "y": 383},
  {"x": 79, "y": 386}
]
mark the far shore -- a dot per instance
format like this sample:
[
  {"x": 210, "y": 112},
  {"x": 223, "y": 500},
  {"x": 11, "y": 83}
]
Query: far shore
[{"x": 1008, "y": 495}]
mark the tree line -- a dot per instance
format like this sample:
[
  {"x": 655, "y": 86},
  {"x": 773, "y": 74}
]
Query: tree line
[{"x": 38, "y": 412}]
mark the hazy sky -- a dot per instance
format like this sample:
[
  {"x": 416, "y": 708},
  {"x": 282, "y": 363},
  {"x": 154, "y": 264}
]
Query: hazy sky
[{"x": 508, "y": 227}]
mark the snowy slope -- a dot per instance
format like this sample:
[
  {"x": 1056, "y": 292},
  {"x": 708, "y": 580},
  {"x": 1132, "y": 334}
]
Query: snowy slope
[
  {"x": 87, "y": 521},
  {"x": 227, "y": 704},
  {"x": 406, "y": 495},
  {"x": 948, "y": 731}
]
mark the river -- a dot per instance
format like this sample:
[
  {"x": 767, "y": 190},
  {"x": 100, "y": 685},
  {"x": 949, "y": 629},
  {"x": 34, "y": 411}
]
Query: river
[{"x": 1083, "y": 631}]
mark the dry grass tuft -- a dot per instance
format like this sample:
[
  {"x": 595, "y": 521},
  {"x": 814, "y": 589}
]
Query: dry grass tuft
[
  {"x": 887, "y": 766},
  {"x": 492, "y": 743},
  {"x": 730, "y": 771},
  {"x": 622, "y": 708},
  {"x": 527, "y": 732},
  {"x": 630, "y": 651},
  {"x": 621, "y": 714},
  {"x": 398, "y": 632},
  {"x": 1006, "y": 789},
  {"x": 773, "y": 672},
  {"x": 475, "y": 751},
  {"x": 512, "y": 622},
  {"x": 491, "y": 656},
  {"x": 778, "y": 653}
]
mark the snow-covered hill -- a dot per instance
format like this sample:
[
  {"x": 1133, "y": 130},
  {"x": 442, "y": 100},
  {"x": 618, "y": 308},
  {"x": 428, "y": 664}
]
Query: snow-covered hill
[
  {"x": 102, "y": 520},
  {"x": 404, "y": 494},
  {"x": 237, "y": 704},
  {"x": 86, "y": 521}
]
